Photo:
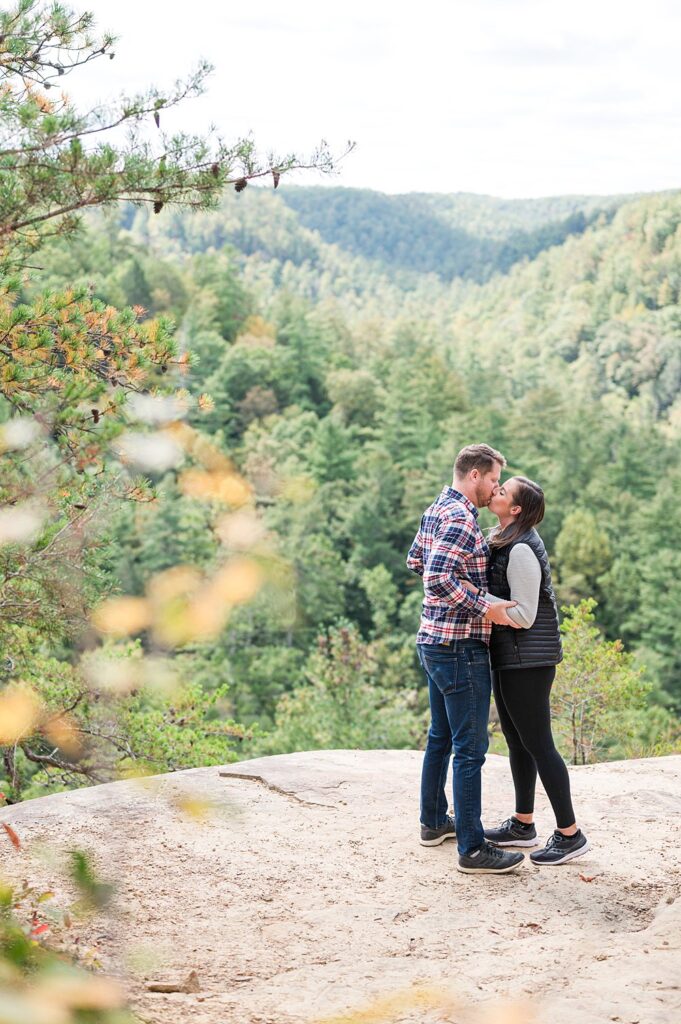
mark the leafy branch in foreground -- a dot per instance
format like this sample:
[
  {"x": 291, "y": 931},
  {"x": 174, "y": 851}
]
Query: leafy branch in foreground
[
  {"x": 41, "y": 982},
  {"x": 41, "y": 43},
  {"x": 67, "y": 360},
  {"x": 56, "y": 161},
  {"x": 115, "y": 714},
  {"x": 71, "y": 369}
]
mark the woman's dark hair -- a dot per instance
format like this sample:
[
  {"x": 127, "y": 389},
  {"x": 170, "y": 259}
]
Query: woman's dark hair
[{"x": 530, "y": 497}]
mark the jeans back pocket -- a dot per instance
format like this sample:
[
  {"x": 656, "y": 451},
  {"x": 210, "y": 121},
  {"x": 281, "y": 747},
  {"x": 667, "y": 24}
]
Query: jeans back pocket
[{"x": 445, "y": 670}]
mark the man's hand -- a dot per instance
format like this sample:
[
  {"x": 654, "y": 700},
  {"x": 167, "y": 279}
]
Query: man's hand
[{"x": 497, "y": 614}]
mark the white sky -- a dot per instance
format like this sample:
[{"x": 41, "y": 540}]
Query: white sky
[{"x": 506, "y": 97}]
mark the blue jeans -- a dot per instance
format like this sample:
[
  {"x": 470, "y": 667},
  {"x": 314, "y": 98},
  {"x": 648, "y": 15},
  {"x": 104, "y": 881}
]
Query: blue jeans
[{"x": 459, "y": 685}]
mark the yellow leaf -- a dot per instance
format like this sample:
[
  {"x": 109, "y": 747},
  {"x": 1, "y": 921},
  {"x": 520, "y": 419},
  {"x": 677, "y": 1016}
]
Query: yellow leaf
[
  {"x": 228, "y": 488},
  {"x": 122, "y": 616},
  {"x": 240, "y": 530},
  {"x": 173, "y": 624},
  {"x": 169, "y": 593},
  {"x": 201, "y": 448},
  {"x": 172, "y": 583},
  {"x": 20, "y": 710},
  {"x": 62, "y": 731},
  {"x": 393, "y": 1007},
  {"x": 81, "y": 991},
  {"x": 205, "y": 618},
  {"x": 238, "y": 581},
  {"x": 193, "y": 807},
  {"x": 19, "y": 1008}
]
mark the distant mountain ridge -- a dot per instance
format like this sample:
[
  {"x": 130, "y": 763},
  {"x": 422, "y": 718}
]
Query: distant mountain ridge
[
  {"x": 359, "y": 235},
  {"x": 453, "y": 236}
]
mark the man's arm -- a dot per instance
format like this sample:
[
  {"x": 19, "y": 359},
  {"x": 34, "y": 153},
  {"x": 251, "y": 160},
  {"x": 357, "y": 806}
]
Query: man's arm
[
  {"x": 415, "y": 556},
  {"x": 453, "y": 547}
]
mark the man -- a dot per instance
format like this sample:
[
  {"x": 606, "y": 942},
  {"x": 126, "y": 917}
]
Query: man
[{"x": 452, "y": 646}]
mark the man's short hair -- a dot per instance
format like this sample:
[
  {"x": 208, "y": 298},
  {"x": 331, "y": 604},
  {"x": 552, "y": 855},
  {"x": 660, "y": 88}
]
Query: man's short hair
[{"x": 477, "y": 456}]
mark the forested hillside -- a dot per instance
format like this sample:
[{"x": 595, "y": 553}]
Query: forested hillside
[
  {"x": 342, "y": 383},
  {"x": 452, "y": 236},
  {"x": 570, "y": 363}
]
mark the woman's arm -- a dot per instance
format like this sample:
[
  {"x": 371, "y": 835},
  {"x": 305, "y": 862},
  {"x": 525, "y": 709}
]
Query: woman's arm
[{"x": 524, "y": 579}]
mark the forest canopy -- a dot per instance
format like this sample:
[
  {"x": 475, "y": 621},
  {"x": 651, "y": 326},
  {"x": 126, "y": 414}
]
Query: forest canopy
[{"x": 220, "y": 425}]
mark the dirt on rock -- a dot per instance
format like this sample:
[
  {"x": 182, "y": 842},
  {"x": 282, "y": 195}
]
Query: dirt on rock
[{"x": 295, "y": 888}]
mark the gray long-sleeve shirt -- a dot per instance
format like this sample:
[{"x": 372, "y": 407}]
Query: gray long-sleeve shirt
[{"x": 524, "y": 579}]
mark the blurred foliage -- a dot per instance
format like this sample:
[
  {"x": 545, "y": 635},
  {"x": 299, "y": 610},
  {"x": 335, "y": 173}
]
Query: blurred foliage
[
  {"x": 44, "y": 971},
  {"x": 93, "y": 413}
]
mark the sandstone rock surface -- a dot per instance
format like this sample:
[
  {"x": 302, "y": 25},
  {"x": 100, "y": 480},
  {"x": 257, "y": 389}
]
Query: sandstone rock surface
[{"x": 295, "y": 888}]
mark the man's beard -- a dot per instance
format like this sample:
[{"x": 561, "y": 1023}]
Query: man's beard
[{"x": 480, "y": 500}]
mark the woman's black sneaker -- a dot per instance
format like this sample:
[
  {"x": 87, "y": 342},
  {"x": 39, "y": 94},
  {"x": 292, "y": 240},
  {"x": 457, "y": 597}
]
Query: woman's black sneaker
[
  {"x": 561, "y": 848},
  {"x": 512, "y": 833},
  {"x": 489, "y": 860},
  {"x": 435, "y": 836}
]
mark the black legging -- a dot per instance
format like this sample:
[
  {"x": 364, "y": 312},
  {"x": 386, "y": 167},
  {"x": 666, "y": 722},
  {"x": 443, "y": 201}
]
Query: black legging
[{"x": 522, "y": 699}]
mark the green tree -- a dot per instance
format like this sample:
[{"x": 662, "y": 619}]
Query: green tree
[
  {"x": 583, "y": 553},
  {"x": 654, "y": 620},
  {"x": 135, "y": 286},
  {"x": 66, "y": 725},
  {"x": 356, "y": 395},
  {"x": 148, "y": 538},
  {"x": 342, "y": 704},
  {"x": 226, "y": 305},
  {"x": 597, "y": 686},
  {"x": 383, "y": 597}
]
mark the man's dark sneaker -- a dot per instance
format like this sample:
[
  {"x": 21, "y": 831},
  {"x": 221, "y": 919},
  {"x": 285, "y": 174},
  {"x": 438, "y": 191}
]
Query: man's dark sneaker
[
  {"x": 512, "y": 833},
  {"x": 561, "y": 848},
  {"x": 435, "y": 836},
  {"x": 489, "y": 860}
]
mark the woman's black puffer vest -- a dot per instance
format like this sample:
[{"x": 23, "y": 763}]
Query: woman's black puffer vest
[{"x": 539, "y": 645}]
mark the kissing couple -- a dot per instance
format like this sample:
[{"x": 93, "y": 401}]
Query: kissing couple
[{"x": 489, "y": 621}]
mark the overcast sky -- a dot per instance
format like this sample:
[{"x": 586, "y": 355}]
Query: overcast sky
[{"x": 505, "y": 97}]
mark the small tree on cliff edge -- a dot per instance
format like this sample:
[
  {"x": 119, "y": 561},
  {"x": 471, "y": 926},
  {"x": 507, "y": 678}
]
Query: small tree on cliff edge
[{"x": 596, "y": 687}]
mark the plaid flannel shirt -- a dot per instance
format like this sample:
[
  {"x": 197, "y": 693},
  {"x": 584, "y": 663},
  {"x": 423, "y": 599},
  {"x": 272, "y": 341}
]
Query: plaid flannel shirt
[{"x": 448, "y": 548}]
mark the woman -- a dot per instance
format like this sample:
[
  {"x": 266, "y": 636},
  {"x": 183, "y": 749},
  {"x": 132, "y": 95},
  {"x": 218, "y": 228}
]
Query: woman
[{"x": 523, "y": 669}]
